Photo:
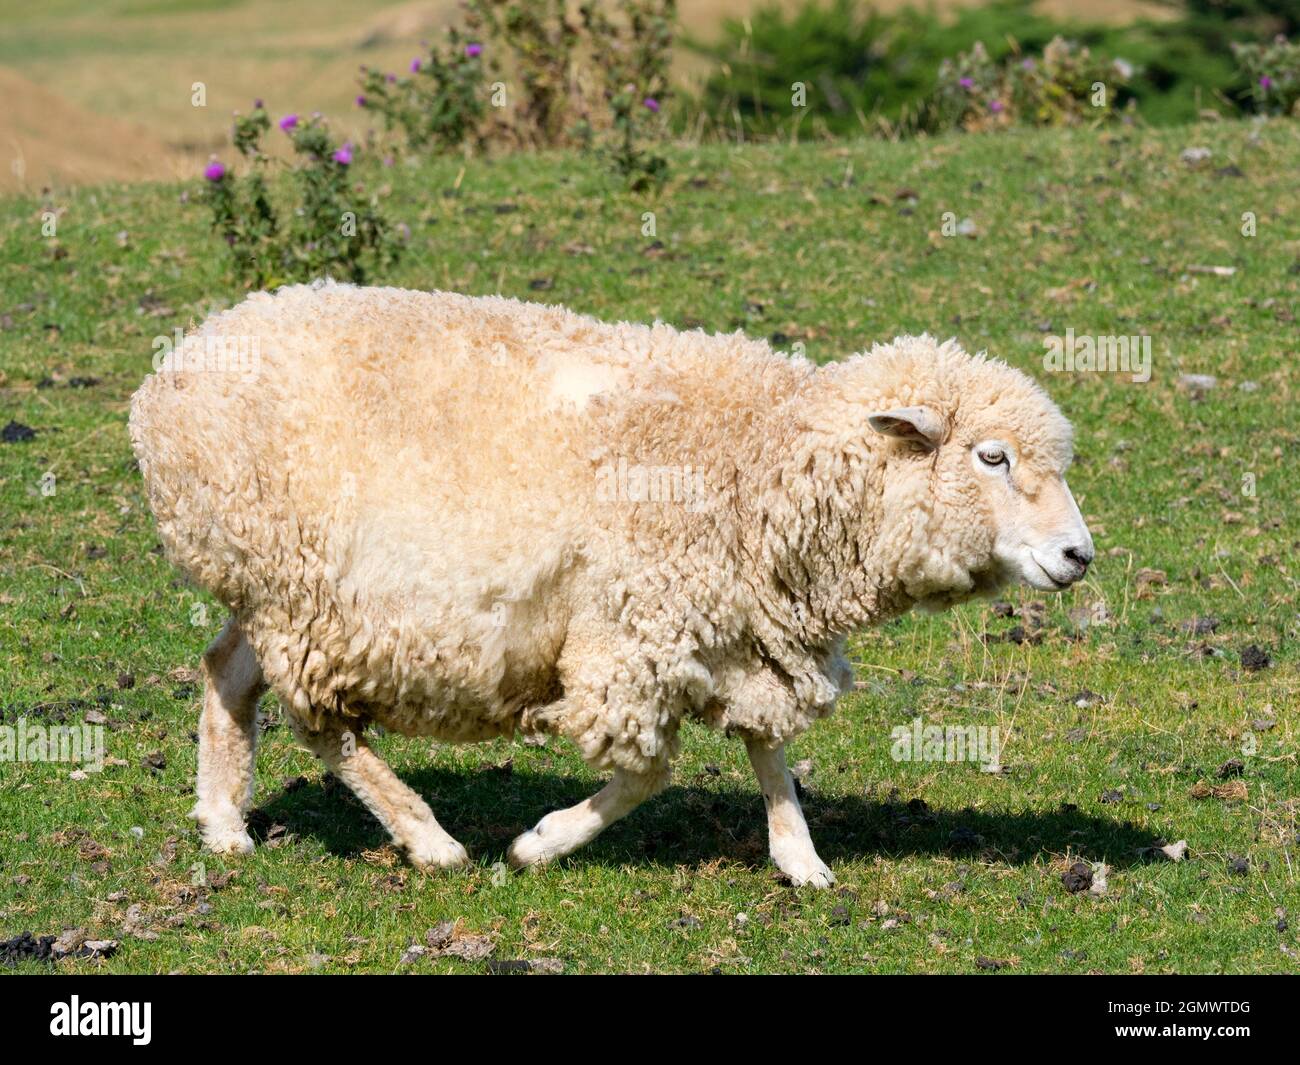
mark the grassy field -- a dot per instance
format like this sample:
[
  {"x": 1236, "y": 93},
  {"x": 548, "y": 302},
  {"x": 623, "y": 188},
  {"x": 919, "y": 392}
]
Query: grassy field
[{"x": 1120, "y": 702}]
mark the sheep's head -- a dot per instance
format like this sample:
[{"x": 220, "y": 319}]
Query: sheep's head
[{"x": 989, "y": 451}]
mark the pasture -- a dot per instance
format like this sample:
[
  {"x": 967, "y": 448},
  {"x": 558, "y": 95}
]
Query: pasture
[{"x": 1153, "y": 703}]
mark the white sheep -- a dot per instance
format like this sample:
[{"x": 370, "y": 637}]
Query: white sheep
[{"x": 459, "y": 517}]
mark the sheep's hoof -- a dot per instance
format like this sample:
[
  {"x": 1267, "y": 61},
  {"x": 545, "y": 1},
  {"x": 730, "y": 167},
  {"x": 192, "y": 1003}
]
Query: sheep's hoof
[
  {"x": 529, "y": 850},
  {"x": 220, "y": 840},
  {"x": 806, "y": 872},
  {"x": 223, "y": 831},
  {"x": 815, "y": 878},
  {"x": 432, "y": 856}
]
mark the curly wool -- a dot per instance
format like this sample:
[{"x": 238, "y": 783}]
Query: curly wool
[{"x": 460, "y": 516}]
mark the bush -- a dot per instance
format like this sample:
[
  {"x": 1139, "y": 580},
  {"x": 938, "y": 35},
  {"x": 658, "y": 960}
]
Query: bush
[
  {"x": 635, "y": 53},
  {"x": 1273, "y": 72},
  {"x": 860, "y": 69},
  {"x": 542, "y": 41},
  {"x": 441, "y": 103},
  {"x": 1065, "y": 86},
  {"x": 331, "y": 229},
  {"x": 864, "y": 70}
]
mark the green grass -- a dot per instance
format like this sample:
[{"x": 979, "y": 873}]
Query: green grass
[{"x": 811, "y": 243}]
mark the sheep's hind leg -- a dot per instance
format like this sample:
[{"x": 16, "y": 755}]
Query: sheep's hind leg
[
  {"x": 563, "y": 831},
  {"x": 789, "y": 841},
  {"x": 227, "y": 741},
  {"x": 399, "y": 809}
]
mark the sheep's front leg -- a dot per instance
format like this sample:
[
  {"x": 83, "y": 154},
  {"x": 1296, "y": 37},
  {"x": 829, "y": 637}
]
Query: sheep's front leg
[
  {"x": 788, "y": 840},
  {"x": 563, "y": 831},
  {"x": 232, "y": 685},
  {"x": 399, "y": 809}
]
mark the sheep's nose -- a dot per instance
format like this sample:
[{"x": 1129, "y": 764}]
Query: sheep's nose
[{"x": 1080, "y": 555}]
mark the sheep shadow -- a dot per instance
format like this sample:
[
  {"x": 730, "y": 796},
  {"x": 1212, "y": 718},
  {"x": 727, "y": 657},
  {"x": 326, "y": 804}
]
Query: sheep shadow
[{"x": 692, "y": 824}]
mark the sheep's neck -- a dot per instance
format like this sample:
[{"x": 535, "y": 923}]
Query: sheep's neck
[{"x": 821, "y": 549}]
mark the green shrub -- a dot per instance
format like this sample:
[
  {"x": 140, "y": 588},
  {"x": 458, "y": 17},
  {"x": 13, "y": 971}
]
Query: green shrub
[
  {"x": 859, "y": 68},
  {"x": 542, "y": 41},
  {"x": 332, "y": 227},
  {"x": 1065, "y": 86},
  {"x": 864, "y": 70},
  {"x": 1273, "y": 71},
  {"x": 635, "y": 52},
  {"x": 440, "y": 103}
]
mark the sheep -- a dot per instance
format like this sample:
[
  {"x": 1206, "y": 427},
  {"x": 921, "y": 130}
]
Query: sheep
[{"x": 465, "y": 517}]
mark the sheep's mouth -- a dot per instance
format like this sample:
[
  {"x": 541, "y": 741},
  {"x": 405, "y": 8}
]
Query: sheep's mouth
[{"x": 1059, "y": 586}]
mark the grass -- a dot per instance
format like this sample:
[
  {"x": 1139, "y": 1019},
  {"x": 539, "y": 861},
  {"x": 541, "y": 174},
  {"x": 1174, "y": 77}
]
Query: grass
[{"x": 941, "y": 867}]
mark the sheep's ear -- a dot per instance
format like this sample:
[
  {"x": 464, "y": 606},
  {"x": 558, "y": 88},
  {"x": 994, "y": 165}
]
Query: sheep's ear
[{"x": 918, "y": 424}]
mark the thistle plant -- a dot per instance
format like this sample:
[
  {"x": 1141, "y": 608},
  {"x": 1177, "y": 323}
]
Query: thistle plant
[{"x": 332, "y": 227}]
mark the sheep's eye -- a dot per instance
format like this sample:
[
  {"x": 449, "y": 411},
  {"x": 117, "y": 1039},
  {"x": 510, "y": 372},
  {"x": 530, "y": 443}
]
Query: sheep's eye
[{"x": 994, "y": 456}]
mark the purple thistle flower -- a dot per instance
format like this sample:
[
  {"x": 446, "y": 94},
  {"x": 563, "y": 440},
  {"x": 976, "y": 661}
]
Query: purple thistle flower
[
  {"x": 390, "y": 78},
  {"x": 651, "y": 104},
  {"x": 966, "y": 83},
  {"x": 214, "y": 171},
  {"x": 473, "y": 50},
  {"x": 344, "y": 155},
  {"x": 415, "y": 66},
  {"x": 361, "y": 101},
  {"x": 1265, "y": 82},
  {"x": 288, "y": 122},
  {"x": 1027, "y": 64},
  {"x": 996, "y": 106},
  {"x": 257, "y": 105}
]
